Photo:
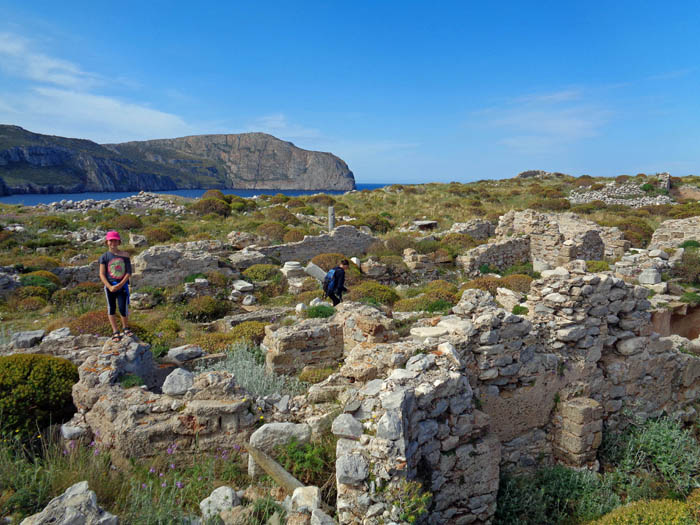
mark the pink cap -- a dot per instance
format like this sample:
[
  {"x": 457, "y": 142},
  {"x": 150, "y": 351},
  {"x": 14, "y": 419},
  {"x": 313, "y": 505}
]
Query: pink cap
[{"x": 113, "y": 235}]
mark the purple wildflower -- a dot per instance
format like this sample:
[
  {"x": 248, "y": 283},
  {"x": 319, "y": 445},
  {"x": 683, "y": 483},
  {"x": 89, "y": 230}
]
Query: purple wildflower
[
  {"x": 161, "y": 475},
  {"x": 143, "y": 485},
  {"x": 164, "y": 484},
  {"x": 97, "y": 451},
  {"x": 172, "y": 465},
  {"x": 152, "y": 470},
  {"x": 179, "y": 484}
]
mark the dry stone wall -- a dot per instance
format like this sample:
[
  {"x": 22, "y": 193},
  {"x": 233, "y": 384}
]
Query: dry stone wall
[
  {"x": 497, "y": 254},
  {"x": 345, "y": 239}
]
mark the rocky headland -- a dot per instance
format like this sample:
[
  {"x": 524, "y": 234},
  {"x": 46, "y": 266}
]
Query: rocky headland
[{"x": 35, "y": 163}]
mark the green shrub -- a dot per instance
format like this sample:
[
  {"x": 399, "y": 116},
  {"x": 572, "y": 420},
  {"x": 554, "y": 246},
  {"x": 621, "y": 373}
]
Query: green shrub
[
  {"x": 168, "y": 325},
  {"x": 45, "y": 241},
  {"x": 688, "y": 269},
  {"x": 194, "y": 276},
  {"x": 131, "y": 380},
  {"x": 95, "y": 322},
  {"x": 375, "y": 222},
  {"x": 217, "y": 206},
  {"x": 35, "y": 390},
  {"x": 261, "y": 272},
  {"x": 372, "y": 291},
  {"x": 172, "y": 227},
  {"x": 664, "y": 450},
  {"x": 322, "y": 199},
  {"x": 127, "y": 222},
  {"x": 311, "y": 463},
  {"x": 654, "y": 512},
  {"x": 205, "y": 308},
  {"x": 489, "y": 284},
  {"x": 319, "y": 311},
  {"x": 155, "y": 235},
  {"x": 35, "y": 280},
  {"x": 519, "y": 310},
  {"x": 597, "y": 266},
  {"x": 263, "y": 509},
  {"x": 249, "y": 331},
  {"x": 647, "y": 187},
  {"x": 44, "y": 275},
  {"x": 690, "y": 243},
  {"x": 458, "y": 243},
  {"x": 409, "y": 497},
  {"x": 31, "y": 291},
  {"x": 551, "y": 204},
  {"x": 554, "y": 495},
  {"x": 52, "y": 222}
]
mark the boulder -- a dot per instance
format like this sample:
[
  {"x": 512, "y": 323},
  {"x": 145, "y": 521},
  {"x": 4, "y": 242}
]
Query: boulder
[
  {"x": 220, "y": 499},
  {"x": 270, "y": 435},
  {"x": 27, "y": 339},
  {"x": 180, "y": 354},
  {"x": 164, "y": 265},
  {"x": 178, "y": 382},
  {"x": 77, "y": 505}
]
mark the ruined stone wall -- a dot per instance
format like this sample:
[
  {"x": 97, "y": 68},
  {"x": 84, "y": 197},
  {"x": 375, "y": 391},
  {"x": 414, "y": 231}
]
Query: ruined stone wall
[
  {"x": 478, "y": 229},
  {"x": 345, "y": 239},
  {"x": 418, "y": 424},
  {"x": 497, "y": 254},
  {"x": 671, "y": 233},
  {"x": 313, "y": 342},
  {"x": 164, "y": 265}
]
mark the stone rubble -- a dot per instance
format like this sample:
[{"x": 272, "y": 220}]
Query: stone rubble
[{"x": 142, "y": 200}]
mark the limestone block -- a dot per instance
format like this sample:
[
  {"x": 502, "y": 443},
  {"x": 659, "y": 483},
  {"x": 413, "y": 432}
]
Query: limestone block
[
  {"x": 351, "y": 469},
  {"x": 78, "y": 504},
  {"x": 306, "y": 498},
  {"x": 178, "y": 382},
  {"x": 581, "y": 410},
  {"x": 423, "y": 332},
  {"x": 242, "y": 286},
  {"x": 649, "y": 276},
  {"x": 346, "y": 426},
  {"x": 220, "y": 499},
  {"x": 270, "y": 435},
  {"x": 26, "y": 339},
  {"x": 632, "y": 346},
  {"x": 180, "y": 354}
]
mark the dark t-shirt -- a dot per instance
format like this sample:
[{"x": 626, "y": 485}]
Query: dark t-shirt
[{"x": 116, "y": 266}]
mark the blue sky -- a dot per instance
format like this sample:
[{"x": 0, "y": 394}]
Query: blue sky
[{"x": 402, "y": 91}]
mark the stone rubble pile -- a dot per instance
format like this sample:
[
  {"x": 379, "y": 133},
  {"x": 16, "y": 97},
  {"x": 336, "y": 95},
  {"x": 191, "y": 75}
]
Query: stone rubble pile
[
  {"x": 627, "y": 194},
  {"x": 142, "y": 200}
]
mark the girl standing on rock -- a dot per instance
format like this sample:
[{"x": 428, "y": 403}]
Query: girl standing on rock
[{"x": 115, "y": 270}]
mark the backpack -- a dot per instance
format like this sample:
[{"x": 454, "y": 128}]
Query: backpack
[{"x": 329, "y": 282}]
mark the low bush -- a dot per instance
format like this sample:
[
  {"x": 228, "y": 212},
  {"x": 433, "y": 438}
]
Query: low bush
[
  {"x": 246, "y": 363},
  {"x": 45, "y": 241},
  {"x": 249, "y": 331},
  {"x": 43, "y": 262},
  {"x": 193, "y": 277},
  {"x": 155, "y": 235},
  {"x": 597, "y": 266},
  {"x": 688, "y": 269},
  {"x": 52, "y": 222},
  {"x": 551, "y": 204},
  {"x": 293, "y": 235},
  {"x": 654, "y": 512},
  {"x": 375, "y": 223},
  {"x": 516, "y": 282},
  {"x": 127, "y": 222},
  {"x": 458, "y": 243},
  {"x": 31, "y": 304},
  {"x": 319, "y": 311},
  {"x": 217, "y": 206},
  {"x": 213, "y": 194},
  {"x": 35, "y": 390},
  {"x": 172, "y": 227},
  {"x": 281, "y": 214},
  {"x": 274, "y": 231},
  {"x": 326, "y": 261},
  {"x": 373, "y": 292},
  {"x": 519, "y": 310},
  {"x": 315, "y": 375},
  {"x": 52, "y": 277},
  {"x": 311, "y": 463},
  {"x": 489, "y": 284},
  {"x": 261, "y": 272},
  {"x": 31, "y": 291},
  {"x": 35, "y": 280},
  {"x": 205, "y": 308},
  {"x": 691, "y": 243}
]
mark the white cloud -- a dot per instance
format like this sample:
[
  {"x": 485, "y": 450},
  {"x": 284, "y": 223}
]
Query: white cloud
[
  {"x": 18, "y": 59},
  {"x": 86, "y": 115},
  {"x": 544, "y": 122}
]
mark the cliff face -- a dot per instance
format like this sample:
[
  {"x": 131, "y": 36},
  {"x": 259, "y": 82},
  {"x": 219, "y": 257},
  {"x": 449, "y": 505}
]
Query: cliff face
[
  {"x": 248, "y": 160},
  {"x": 33, "y": 163}
]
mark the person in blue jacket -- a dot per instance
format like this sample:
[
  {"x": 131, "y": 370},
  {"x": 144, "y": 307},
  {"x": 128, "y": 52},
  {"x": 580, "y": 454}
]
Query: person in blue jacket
[{"x": 336, "y": 286}]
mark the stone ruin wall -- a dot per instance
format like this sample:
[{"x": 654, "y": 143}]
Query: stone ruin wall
[
  {"x": 671, "y": 233},
  {"x": 584, "y": 359},
  {"x": 345, "y": 239},
  {"x": 495, "y": 254}
]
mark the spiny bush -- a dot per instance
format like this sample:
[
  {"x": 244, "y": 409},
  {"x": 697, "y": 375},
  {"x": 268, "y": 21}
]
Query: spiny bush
[
  {"x": 688, "y": 270},
  {"x": 322, "y": 199},
  {"x": 218, "y": 206},
  {"x": 155, "y": 235},
  {"x": 249, "y": 331},
  {"x": 281, "y": 214},
  {"x": 168, "y": 325},
  {"x": 375, "y": 222},
  {"x": 217, "y": 279},
  {"x": 172, "y": 227},
  {"x": 45, "y": 241},
  {"x": 293, "y": 235},
  {"x": 31, "y": 291},
  {"x": 278, "y": 198},
  {"x": 205, "y": 308},
  {"x": 213, "y": 194},
  {"x": 319, "y": 312},
  {"x": 686, "y": 210},
  {"x": 597, "y": 266},
  {"x": 295, "y": 202},
  {"x": 82, "y": 291},
  {"x": 35, "y": 390},
  {"x": 311, "y": 463},
  {"x": 373, "y": 292},
  {"x": 489, "y": 284},
  {"x": 516, "y": 282},
  {"x": 645, "y": 512},
  {"x": 34, "y": 280},
  {"x": 458, "y": 243},
  {"x": 216, "y": 342},
  {"x": 551, "y": 204},
  {"x": 690, "y": 243},
  {"x": 326, "y": 261},
  {"x": 44, "y": 275},
  {"x": 272, "y": 230},
  {"x": 52, "y": 222},
  {"x": 31, "y": 304},
  {"x": 308, "y": 296},
  {"x": 127, "y": 222},
  {"x": 409, "y": 497},
  {"x": 261, "y": 272},
  {"x": 95, "y": 322},
  {"x": 42, "y": 262}
]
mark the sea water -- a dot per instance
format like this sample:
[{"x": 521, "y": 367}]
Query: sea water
[{"x": 31, "y": 199}]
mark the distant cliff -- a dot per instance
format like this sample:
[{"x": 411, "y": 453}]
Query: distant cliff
[{"x": 34, "y": 163}]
